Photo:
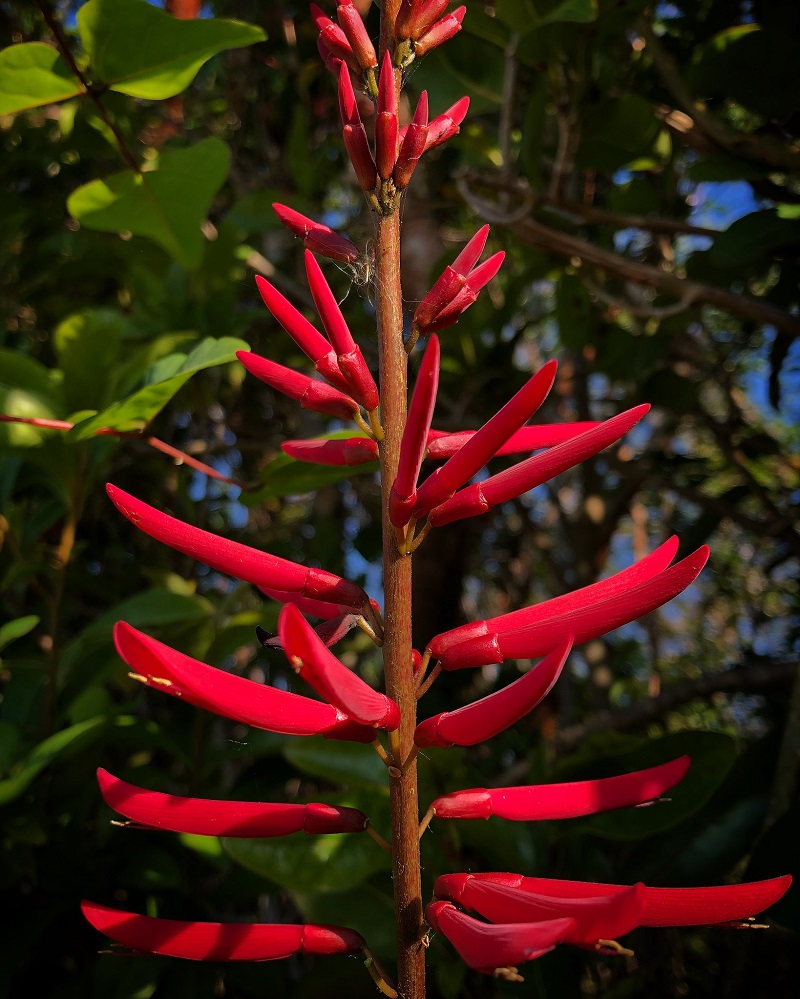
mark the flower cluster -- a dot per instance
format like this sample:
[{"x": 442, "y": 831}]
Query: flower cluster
[{"x": 495, "y": 921}]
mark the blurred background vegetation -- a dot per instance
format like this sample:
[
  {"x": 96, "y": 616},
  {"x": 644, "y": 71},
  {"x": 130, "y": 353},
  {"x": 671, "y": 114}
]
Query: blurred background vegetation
[{"x": 639, "y": 164}]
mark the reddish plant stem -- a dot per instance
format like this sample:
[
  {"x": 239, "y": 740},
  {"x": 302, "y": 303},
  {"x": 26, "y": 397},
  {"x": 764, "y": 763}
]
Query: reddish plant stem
[{"x": 398, "y": 671}]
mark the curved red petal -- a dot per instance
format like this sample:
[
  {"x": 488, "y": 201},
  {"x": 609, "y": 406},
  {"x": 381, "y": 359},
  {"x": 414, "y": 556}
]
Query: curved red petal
[{"x": 349, "y": 451}]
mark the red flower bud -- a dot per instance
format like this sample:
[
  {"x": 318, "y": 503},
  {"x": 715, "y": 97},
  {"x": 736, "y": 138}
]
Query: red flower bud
[
  {"x": 353, "y": 27},
  {"x": 219, "y": 941},
  {"x": 316, "y": 236},
  {"x": 239, "y": 561},
  {"x": 528, "y": 474},
  {"x": 486, "y": 442},
  {"x": 334, "y": 38},
  {"x": 308, "y": 339},
  {"x": 485, "y": 947},
  {"x": 349, "y": 358},
  {"x": 412, "y": 145},
  {"x": 428, "y": 12},
  {"x": 406, "y": 18},
  {"x": 331, "y": 678},
  {"x": 483, "y": 719},
  {"x": 415, "y": 436},
  {"x": 204, "y": 817},
  {"x": 562, "y": 801},
  {"x": 355, "y": 138},
  {"x": 447, "y": 124},
  {"x": 474, "y": 282},
  {"x": 440, "y": 32},
  {"x": 234, "y": 697},
  {"x": 314, "y": 395},
  {"x": 351, "y": 451},
  {"x": 386, "y": 126}
]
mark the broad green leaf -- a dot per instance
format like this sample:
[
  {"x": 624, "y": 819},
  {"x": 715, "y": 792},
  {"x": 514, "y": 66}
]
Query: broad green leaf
[
  {"x": 12, "y": 630},
  {"x": 87, "y": 342},
  {"x": 72, "y": 738},
  {"x": 135, "y": 412},
  {"x": 752, "y": 236},
  {"x": 167, "y": 203},
  {"x": 28, "y": 389},
  {"x": 311, "y": 863},
  {"x": 348, "y": 763},
  {"x": 620, "y": 131},
  {"x": 32, "y": 74},
  {"x": 523, "y": 16},
  {"x": 136, "y": 49}
]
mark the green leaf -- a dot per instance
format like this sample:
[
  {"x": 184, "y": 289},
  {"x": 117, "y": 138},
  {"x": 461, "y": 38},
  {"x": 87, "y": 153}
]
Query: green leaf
[
  {"x": 70, "y": 739},
  {"x": 135, "y": 412},
  {"x": 620, "y": 131},
  {"x": 346, "y": 762},
  {"x": 87, "y": 342},
  {"x": 755, "y": 235},
  {"x": 136, "y": 49},
  {"x": 524, "y": 16},
  {"x": 12, "y": 630},
  {"x": 369, "y": 912},
  {"x": 166, "y": 203},
  {"x": 574, "y": 11},
  {"x": 32, "y": 74},
  {"x": 28, "y": 389},
  {"x": 311, "y": 863}
]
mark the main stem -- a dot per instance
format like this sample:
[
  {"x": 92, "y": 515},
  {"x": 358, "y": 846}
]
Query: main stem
[{"x": 397, "y": 594}]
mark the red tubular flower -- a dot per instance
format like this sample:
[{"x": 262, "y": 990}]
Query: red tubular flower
[
  {"x": 355, "y": 138},
  {"x": 415, "y": 436},
  {"x": 440, "y": 32},
  {"x": 485, "y": 718},
  {"x": 350, "y": 451},
  {"x": 231, "y": 696},
  {"x": 308, "y": 339},
  {"x": 386, "y": 126},
  {"x": 485, "y": 443},
  {"x": 349, "y": 359},
  {"x": 485, "y": 947},
  {"x": 244, "y": 819},
  {"x": 447, "y": 124},
  {"x": 334, "y": 39},
  {"x": 562, "y": 801},
  {"x": 311, "y": 394},
  {"x": 331, "y": 678},
  {"x": 220, "y": 941},
  {"x": 314, "y": 608},
  {"x": 352, "y": 25},
  {"x": 442, "y": 444},
  {"x": 239, "y": 561},
  {"x": 663, "y": 906},
  {"x": 476, "y": 280},
  {"x": 316, "y": 236},
  {"x": 482, "y": 496},
  {"x": 618, "y": 584},
  {"x": 584, "y": 623},
  {"x": 412, "y": 145}
]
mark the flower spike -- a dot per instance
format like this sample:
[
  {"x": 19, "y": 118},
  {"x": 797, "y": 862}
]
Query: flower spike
[
  {"x": 415, "y": 436},
  {"x": 355, "y": 138},
  {"x": 520, "y": 478},
  {"x": 349, "y": 359},
  {"x": 352, "y": 25},
  {"x": 562, "y": 801},
  {"x": 485, "y": 718},
  {"x": 311, "y": 394},
  {"x": 165, "y": 669},
  {"x": 386, "y": 126},
  {"x": 317, "y": 237},
  {"x": 220, "y": 941},
  {"x": 484, "y": 444},
  {"x": 440, "y": 32},
  {"x": 350, "y": 451},
  {"x": 331, "y": 678},
  {"x": 242, "y": 819},
  {"x": 237, "y": 560}
]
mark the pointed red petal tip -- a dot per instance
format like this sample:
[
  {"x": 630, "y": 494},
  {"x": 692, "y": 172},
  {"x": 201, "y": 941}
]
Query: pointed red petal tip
[
  {"x": 319, "y": 397},
  {"x": 485, "y": 443},
  {"x": 440, "y": 32},
  {"x": 562, "y": 801},
  {"x": 239, "y": 561},
  {"x": 415, "y": 436},
  {"x": 663, "y": 906},
  {"x": 485, "y": 947},
  {"x": 352, "y": 25},
  {"x": 316, "y": 236},
  {"x": 485, "y": 718},
  {"x": 447, "y": 124},
  {"x": 243, "y": 819},
  {"x": 219, "y": 941},
  {"x": 331, "y": 678},
  {"x": 234, "y": 697},
  {"x": 350, "y": 451}
]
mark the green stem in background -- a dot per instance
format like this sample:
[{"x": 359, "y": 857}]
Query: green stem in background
[{"x": 400, "y": 683}]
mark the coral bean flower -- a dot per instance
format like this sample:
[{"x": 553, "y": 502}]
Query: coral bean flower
[
  {"x": 204, "y": 817},
  {"x": 317, "y": 237},
  {"x": 317, "y": 396},
  {"x": 386, "y": 124},
  {"x": 219, "y": 941},
  {"x": 353, "y": 27},
  {"x": 331, "y": 678},
  {"x": 234, "y": 697},
  {"x": 562, "y": 801}
]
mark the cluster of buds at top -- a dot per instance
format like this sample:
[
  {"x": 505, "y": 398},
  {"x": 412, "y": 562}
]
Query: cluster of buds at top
[
  {"x": 347, "y": 43},
  {"x": 421, "y": 26}
]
